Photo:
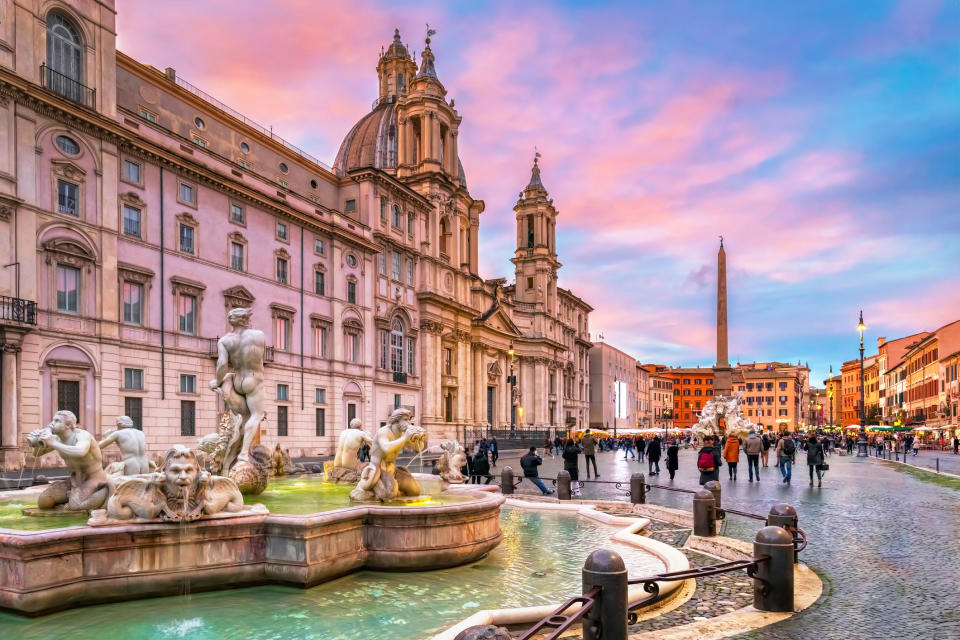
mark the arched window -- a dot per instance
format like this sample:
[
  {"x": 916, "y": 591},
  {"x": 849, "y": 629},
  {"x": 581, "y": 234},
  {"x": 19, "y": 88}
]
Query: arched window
[
  {"x": 443, "y": 235},
  {"x": 64, "y": 57},
  {"x": 396, "y": 346},
  {"x": 397, "y": 217}
]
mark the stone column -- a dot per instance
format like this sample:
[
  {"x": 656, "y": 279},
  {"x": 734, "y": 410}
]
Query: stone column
[
  {"x": 401, "y": 141},
  {"x": 10, "y": 456},
  {"x": 479, "y": 384}
]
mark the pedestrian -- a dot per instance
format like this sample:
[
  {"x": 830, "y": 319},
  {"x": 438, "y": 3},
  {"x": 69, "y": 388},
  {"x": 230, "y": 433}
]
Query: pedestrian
[
  {"x": 558, "y": 445},
  {"x": 571, "y": 465},
  {"x": 641, "y": 448},
  {"x": 589, "y": 444},
  {"x": 765, "y": 451},
  {"x": 753, "y": 447},
  {"x": 956, "y": 445},
  {"x": 815, "y": 458},
  {"x": 529, "y": 464},
  {"x": 628, "y": 448},
  {"x": 494, "y": 450},
  {"x": 548, "y": 446},
  {"x": 786, "y": 449},
  {"x": 708, "y": 461},
  {"x": 469, "y": 458},
  {"x": 654, "y": 449},
  {"x": 673, "y": 457},
  {"x": 481, "y": 468},
  {"x": 915, "y": 445},
  {"x": 731, "y": 453}
]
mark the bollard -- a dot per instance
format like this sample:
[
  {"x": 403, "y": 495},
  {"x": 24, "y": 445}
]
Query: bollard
[
  {"x": 638, "y": 489},
  {"x": 506, "y": 481},
  {"x": 563, "y": 485},
  {"x": 714, "y": 487},
  {"x": 938, "y": 465},
  {"x": 704, "y": 514},
  {"x": 607, "y": 620},
  {"x": 773, "y": 580},
  {"x": 784, "y": 516}
]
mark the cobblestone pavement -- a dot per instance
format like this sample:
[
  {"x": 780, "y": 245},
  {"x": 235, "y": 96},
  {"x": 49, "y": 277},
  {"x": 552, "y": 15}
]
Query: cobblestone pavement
[{"x": 884, "y": 538}]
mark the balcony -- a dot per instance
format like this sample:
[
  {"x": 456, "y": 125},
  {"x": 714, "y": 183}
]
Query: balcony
[
  {"x": 400, "y": 377},
  {"x": 18, "y": 310},
  {"x": 67, "y": 87}
]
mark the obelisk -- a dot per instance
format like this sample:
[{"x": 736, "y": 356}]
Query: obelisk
[{"x": 722, "y": 377}]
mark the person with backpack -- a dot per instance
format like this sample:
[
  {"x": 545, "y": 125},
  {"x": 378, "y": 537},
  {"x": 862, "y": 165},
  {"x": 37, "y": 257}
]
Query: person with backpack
[
  {"x": 653, "y": 455},
  {"x": 571, "y": 464},
  {"x": 786, "y": 449},
  {"x": 765, "y": 452},
  {"x": 708, "y": 461},
  {"x": 815, "y": 458},
  {"x": 589, "y": 445},
  {"x": 628, "y": 448}
]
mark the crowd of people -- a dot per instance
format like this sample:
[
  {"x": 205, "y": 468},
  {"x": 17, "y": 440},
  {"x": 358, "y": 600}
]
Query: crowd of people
[{"x": 756, "y": 447}]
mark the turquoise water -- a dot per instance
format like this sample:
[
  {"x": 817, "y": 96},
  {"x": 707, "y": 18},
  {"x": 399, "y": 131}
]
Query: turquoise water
[{"x": 538, "y": 562}]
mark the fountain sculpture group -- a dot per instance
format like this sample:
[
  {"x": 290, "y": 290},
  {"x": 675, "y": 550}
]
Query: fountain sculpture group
[{"x": 727, "y": 409}]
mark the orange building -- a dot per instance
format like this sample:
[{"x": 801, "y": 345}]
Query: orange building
[
  {"x": 850, "y": 399},
  {"x": 920, "y": 371},
  {"x": 890, "y": 354},
  {"x": 692, "y": 388}
]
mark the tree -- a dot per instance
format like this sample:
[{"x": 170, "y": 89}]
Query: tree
[{"x": 872, "y": 417}]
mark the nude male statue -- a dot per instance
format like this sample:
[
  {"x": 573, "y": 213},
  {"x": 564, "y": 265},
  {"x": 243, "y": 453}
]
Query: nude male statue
[
  {"x": 241, "y": 351},
  {"x": 87, "y": 486},
  {"x": 381, "y": 478},
  {"x": 133, "y": 447},
  {"x": 349, "y": 443}
]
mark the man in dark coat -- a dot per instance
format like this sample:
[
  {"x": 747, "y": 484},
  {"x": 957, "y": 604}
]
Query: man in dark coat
[
  {"x": 653, "y": 455},
  {"x": 673, "y": 457},
  {"x": 529, "y": 464}
]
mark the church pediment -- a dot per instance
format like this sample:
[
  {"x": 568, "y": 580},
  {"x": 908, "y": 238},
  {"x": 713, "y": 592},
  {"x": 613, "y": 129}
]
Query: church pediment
[{"x": 237, "y": 297}]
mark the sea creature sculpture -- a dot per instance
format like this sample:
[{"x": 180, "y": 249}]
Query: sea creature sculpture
[{"x": 381, "y": 479}]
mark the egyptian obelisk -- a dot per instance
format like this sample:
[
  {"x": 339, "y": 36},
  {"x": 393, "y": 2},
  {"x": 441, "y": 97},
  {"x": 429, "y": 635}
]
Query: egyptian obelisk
[{"x": 722, "y": 378}]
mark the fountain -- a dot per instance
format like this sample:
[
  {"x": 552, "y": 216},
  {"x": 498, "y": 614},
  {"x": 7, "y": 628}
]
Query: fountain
[
  {"x": 382, "y": 479},
  {"x": 728, "y": 409}
]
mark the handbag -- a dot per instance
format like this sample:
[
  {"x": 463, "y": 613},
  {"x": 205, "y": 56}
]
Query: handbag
[{"x": 823, "y": 466}]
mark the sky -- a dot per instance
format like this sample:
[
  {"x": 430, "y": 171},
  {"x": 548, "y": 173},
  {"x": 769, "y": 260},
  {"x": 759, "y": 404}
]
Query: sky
[{"x": 821, "y": 139}]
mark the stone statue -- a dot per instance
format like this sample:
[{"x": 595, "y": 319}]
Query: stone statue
[
  {"x": 180, "y": 492},
  {"x": 283, "y": 464},
  {"x": 727, "y": 409},
  {"x": 381, "y": 479},
  {"x": 346, "y": 466},
  {"x": 239, "y": 381},
  {"x": 86, "y": 488},
  {"x": 133, "y": 447},
  {"x": 253, "y": 474},
  {"x": 452, "y": 459}
]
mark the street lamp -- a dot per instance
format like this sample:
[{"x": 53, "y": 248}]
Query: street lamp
[
  {"x": 830, "y": 396},
  {"x": 616, "y": 397},
  {"x": 862, "y": 444},
  {"x": 512, "y": 379}
]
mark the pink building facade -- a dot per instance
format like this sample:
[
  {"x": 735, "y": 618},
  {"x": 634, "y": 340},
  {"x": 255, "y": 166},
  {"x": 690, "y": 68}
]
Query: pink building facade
[{"x": 135, "y": 211}]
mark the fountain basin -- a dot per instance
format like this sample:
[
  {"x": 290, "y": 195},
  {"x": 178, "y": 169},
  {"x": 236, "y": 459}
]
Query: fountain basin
[{"x": 54, "y": 569}]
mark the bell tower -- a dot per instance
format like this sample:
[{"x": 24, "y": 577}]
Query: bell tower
[{"x": 535, "y": 257}]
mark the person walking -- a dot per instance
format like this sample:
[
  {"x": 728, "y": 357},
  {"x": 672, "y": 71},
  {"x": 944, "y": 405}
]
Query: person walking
[
  {"x": 571, "y": 453},
  {"x": 589, "y": 444},
  {"x": 786, "y": 449},
  {"x": 529, "y": 464},
  {"x": 548, "y": 446},
  {"x": 641, "y": 447},
  {"x": 765, "y": 451},
  {"x": 753, "y": 447},
  {"x": 673, "y": 457},
  {"x": 654, "y": 449},
  {"x": 815, "y": 458},
  {"x": 494, "y": 450},
  {"x": 628, "y": 448},
  {"x": 731, "y": 453},
  {"x": 956, "y": 445},
  {"x": 708, "y": 461},
  {"x": 481, "y": 467},
  {"x": 558, "y": 445}
]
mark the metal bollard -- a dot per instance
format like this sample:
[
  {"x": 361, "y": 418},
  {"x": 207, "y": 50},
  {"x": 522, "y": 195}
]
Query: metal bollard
[
  {"x": 563, "y": 485},
  {"x": 506, "y": 481},
  {"x": 638, "y": 489},
  {"x": 938, "y": 465},
  {"x": 704, "y": 514},
  {"x": 784, "y": 516},
  {"x": 714, "y": 487},
  {"x": 773, "y": 580},
  {"x": 607, "y": 620}
]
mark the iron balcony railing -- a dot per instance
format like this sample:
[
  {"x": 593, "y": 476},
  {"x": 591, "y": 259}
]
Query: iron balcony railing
[
  {"x": 18, "y": 310},
  {"x": 67, "y": 87},
  {"x": 400, "y": 377}
]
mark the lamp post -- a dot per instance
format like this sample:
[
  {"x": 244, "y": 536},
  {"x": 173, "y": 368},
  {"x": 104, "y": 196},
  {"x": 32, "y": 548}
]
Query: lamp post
[
  {"x": 830, "y": 396},
  {"x": 616, "y": 395},
  {"x": 862, "y": 444},
  {"x": 512, "y": 379}
]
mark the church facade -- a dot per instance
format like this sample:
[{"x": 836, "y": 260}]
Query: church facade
[{"x": 137, "y": 210}]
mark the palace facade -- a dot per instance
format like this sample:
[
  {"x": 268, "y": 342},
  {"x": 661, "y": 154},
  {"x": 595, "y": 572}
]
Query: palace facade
[{"x": 136, "y": 210}]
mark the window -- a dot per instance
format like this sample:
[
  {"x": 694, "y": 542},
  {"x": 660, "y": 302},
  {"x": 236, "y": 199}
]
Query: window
[
  {"x": 383, "y": 210},
  {"x": 281, "y": 231},
  {"x": 352, "y": 292},
  {"x": 395, "y": 260},
  {"x": 200, "y": 123},
  {"x": 68, "y": 289},
  {"x": 313, "y": 184},
  {"x": 321, "y": 422},
  {"x": 384, "y": 350},
  {"x": 131, "y": 221},
  {"x": 244, "y": 147},
  {"x": 410, "y": 357},
  {"x": 186, "y": 238},
  {"x": 133, "y": 379},
  {"x": 698, "y": 392},
  {"x": 283, "y": 183},
  {"x": 396, "y": 216},
  {"x": 782, "y": 412},
  {"x": 319, "y": 278},
  {"x": 443, "y": 236},
  {"x": 133, "y": 408},
  {"x": 188, "y": 418},
  {"x": 686, "y": 392},
  {"x": 320, "y": 342},
  {"x": 318, "y": 246},
  {"x": 64, "y": 57},
  {"x": 283, "y": 167},
  {"x": 282, "y": 270},
  {"x": 351, "y": 260},
  {"x": 410, "y": 272},
  {"x": 200, "y": 142},
  {"x": 236, "y": 256},
  {"x": 281, "y": 333},
  {"x": 353, "y": 347},
  {"x": 783, "y": 386},
  {"x": 68, "y": 198},
  {"x": 131, "y": 171},
  {"x": 132, "y": 303},
  {"x": 448, "y": 361},
  {"x": 283, "y": 393},
  {"x": 351, "y": 411},
  {"x": 529, "y": 283},
  {"x": 396, "y": 400},
  {"x": 236, "y": 213},
  {"x": 187, "y": 194},
  {"x": 188, "y": 383},
  {"x": 350, "y": 206},
  {"x": 148, "y": 116},
  {"x": 68, "y": 145},
  {"x": 686, "y": 381},
  {"x": 783, "y": 399},
  {"x": 282, "y": 421},
  {"x": 396, "y": 347},
  {"x": 382, "y": 262},
  {"x": 410, "y": 223},
  {"x": 697, "y": 381},
  {"x": 187, "y": 314},
  {"x": 321, "y": 396}
]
